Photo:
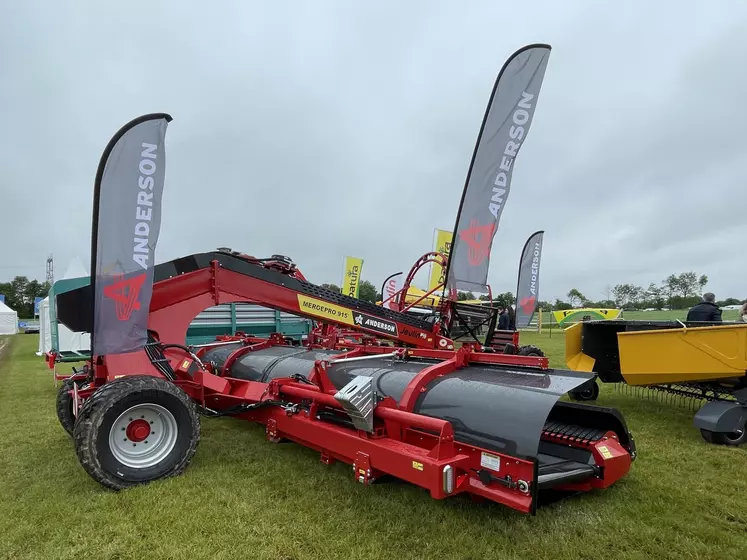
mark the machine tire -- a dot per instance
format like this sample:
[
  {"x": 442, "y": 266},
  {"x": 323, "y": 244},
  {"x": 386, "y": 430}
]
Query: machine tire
[
  {"x": 530, "y": 350},
  {"x": 108, "y": 459},
  {"x": 723, "y": 438},
  {"x": 588, "y": 393},
  {"x": 65, "y": 406}
]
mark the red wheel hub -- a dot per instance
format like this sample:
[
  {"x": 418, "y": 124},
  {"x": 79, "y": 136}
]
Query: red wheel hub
[{"x": 138, "y": 430}]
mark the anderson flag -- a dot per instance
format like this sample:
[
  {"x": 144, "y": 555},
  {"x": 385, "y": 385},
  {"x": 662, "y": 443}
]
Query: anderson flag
[
  {"x": 351, "y": 276},
  {"x": 504, "y": 130},
  {"x": 527, "y": 291},
  {"x": 126, "y": 223},
  {"x": 442, "y": 244}
]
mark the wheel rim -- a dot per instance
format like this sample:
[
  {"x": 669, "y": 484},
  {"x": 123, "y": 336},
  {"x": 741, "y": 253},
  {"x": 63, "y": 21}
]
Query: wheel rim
[
  {"x": 143, "y": 435},
  {"x": 734, "y": 436}
]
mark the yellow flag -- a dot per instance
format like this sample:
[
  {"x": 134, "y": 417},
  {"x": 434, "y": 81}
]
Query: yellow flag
[
  {"x": 442, "y": 245},
  {"x": 351, "y": 276}
]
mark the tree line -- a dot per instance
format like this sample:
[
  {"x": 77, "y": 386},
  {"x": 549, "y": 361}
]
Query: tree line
[
  {"x": 20, "y": 293},
  {"x": 676, "y": 291}
]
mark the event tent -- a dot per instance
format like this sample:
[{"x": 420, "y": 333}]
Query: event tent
[
  {"x": 8, "y": 320},
  {"x": 53, "y": 335}
]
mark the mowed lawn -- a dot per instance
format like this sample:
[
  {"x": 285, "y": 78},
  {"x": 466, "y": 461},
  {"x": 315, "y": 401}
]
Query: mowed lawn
[{"x": 243, "y": 497}]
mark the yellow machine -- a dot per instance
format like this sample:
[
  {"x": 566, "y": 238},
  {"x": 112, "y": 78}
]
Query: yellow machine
[{"x": 696, "y": 360}]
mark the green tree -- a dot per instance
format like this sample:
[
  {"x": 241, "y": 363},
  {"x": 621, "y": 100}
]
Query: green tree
[
  {"x": 333, "y": 287},
  {"x": 688, "y": 283},
  {"x": 627, "y": 295},
  {"x": 655, "y": 296},
  {"x": 20, "y": 294},
  {"x": 367, "y": 291},
  {"x": 505, "y": 299},
  {"x": 561, "y": 305},
  {"x": 463, "y": 296},
  {"x": 576, "y": 297}
]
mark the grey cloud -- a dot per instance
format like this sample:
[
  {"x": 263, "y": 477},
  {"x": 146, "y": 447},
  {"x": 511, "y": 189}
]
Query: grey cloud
[{"x": 323, "y": 129}]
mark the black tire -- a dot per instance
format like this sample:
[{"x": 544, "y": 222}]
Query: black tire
[
  {"x": 530, "y": 350},
  {"x": 176, "y": 440},
  {"x": 65, "y": 406},
  {"x": 733, "y": 439},
  {"x": 588, "y": 392},
  {"x": 509, "y": 348}
]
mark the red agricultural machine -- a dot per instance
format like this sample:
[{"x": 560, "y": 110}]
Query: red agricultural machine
[
  {"x": 452, "y": 421},
  {"x": 484, "y": 419}
]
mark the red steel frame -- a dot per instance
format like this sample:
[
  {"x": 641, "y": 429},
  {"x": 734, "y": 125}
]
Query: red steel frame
[{"x": 409, "y": 446}]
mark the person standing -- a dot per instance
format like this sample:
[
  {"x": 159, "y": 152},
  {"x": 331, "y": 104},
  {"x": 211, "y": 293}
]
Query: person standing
[
  {"x": 503, "y": 319},
  {"x": 706, "y": 311}
]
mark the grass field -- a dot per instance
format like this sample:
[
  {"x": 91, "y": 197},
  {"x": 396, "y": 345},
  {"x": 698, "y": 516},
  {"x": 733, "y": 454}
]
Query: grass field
[
  {"x": 243, "y": 497},
  {"x": 664, "y": 315}
]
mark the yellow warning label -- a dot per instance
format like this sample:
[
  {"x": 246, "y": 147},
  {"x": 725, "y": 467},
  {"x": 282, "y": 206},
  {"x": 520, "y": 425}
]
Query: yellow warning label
[
  {"x": 606, "y": 453},
  {"x": 418, "y": 466},
  {"x": 185, "y": 364},
  {"x": 361, "y": 471},
  {"x": 319, "y": 308}
]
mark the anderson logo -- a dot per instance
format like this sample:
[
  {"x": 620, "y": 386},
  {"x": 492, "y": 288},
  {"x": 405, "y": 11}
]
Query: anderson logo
[
  {"x": 478, "y": 238},
  {"x": 535, "y": 269},
  {"x": 142, "y": 249},
  {"x": 375, "y": 324},
  {"x": 527, "y": 304},
  {"x": 126, "y": 295},
  {"x": 521, "y": 121}
]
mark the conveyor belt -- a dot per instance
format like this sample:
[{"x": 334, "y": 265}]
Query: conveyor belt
[
  {"x": 236, "y": 264},
  {"x": 75, "y": 307}
]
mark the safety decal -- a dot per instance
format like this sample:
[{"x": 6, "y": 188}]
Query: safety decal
[{"x": 489, "y": 461}]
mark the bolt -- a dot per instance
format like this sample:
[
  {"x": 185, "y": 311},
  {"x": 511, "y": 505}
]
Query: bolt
[
  {"x": 123, "y": 429},
  {"x": 134, "y": 444},
  {"x": 146, "y": 441},
  {"x": 130, "y": 419},
  {"x": 150, "y": 422},
  {"x": 125, "y": 439},
  {"x": 142, "y": 416}
]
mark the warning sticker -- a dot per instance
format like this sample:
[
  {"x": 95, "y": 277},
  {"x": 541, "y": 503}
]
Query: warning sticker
[
  {"x": 319, "y": 308},
  {"x": 489, "y": 461},
  {"x": 418, "y": 466},
  {"x": 606, "y": 453}
]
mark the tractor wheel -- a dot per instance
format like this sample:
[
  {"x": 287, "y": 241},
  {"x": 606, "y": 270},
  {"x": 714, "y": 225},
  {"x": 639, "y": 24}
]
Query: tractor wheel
[
  {"x": 732, "y": 439},
  {"x": 65, "y": 406},
  {"x": 530, "y": 351},
  {"x": 588, "y": 392},
  {"x": 134, "y": 430}
]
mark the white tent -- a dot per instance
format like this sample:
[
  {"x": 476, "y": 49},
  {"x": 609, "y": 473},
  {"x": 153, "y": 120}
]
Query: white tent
[
  {"x": 67, "y": 340},
  {"x": 45, "y": 327},
  {"x": 75, "y": 269},
  {"x": 8, "y": 320}
]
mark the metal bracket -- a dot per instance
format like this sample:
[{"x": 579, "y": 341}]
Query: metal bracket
[
  {"x": 362, "y": 468},
  {"x": 272, "y": 431}
]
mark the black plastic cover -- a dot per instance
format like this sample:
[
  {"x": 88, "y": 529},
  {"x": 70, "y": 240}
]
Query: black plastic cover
[{"x": 499, "y": 408}]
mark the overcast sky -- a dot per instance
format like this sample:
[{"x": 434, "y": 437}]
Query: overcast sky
[{"x": 320, "y": 129}]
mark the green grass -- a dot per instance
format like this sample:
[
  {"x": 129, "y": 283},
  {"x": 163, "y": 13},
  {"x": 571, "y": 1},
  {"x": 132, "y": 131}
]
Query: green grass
[
  {"x": 243, "y": 497},
  {"x": 664, "y": 315}
]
